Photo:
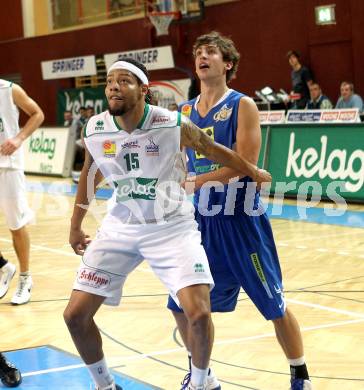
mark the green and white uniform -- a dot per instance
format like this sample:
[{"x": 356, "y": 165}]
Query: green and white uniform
[{"x": 149, "y": 216}]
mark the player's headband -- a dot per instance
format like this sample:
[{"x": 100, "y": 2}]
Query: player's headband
[{"x": 131, "y": 68}]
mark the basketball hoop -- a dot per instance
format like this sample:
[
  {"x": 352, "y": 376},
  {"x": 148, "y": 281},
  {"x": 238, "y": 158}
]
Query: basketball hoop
[{"x": 162, "y": 20}]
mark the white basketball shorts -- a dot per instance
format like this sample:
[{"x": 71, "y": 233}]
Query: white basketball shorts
[
  {"x": 13, "y": 198},
  {"x": 173, "y": 251}
]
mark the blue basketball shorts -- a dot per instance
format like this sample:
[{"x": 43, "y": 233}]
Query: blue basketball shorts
[{"x": 242, "y": 253}]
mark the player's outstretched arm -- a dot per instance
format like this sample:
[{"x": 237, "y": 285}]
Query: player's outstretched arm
[
  {"x": 89, "y": 179},
  {"x": 193, "y": 137}
]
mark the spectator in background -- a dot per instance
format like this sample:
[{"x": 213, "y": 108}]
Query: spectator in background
[
  {"x": 90, "y": 111},
  {"x": 81, "y": 120},
  {"x": 318, "y": 101},
  {"x": 173, "y": 106},
  {"x": 80, "y": 150},
  {"x": 153, "y": 97},
  {"x": 67, "y": 118},
  {"x": 348, "y": 98},
  {"x": 301, "y": 77}
]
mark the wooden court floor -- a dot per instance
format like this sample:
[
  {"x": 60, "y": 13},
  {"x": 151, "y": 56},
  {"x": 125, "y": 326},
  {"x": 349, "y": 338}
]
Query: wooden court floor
[{"x": 323, "y": 268}]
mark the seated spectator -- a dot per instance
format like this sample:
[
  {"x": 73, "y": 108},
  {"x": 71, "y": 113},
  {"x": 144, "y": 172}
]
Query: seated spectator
[
  {"x": 318, "y": 101},
  {"x": 90, "y": 111},
  {"x": 348, "y": 98},
  {"x": 301, "y": 77},
  {"x": 67, "y": 118},
  {"x": 81, "y": 120}
]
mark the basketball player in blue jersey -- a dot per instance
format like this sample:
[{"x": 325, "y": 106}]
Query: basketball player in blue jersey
[
  {"x": 240, "y": 246},
  {"x": 137, "y": 147}
]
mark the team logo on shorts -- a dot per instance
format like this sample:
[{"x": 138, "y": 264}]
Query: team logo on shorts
[
  {"x": 1, "y": 126},
  {"x": 199, "y": 268},
  {"x": 94, "y": 279},
  {"x": 186, "y": 110},
  {"x": 223, "y": 114},
  {"x": 109, "y": 149}
]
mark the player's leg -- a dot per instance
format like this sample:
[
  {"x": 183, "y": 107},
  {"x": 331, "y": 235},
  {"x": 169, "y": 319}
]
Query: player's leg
[
  {"x": 181, "y": 264},
  {"x": 260, "y": 275},
  {"x": 18, "y": 215},
  {"x": 21, "y": 243},
  {"x": 100, "y": 279},
  {"x": 195, "y": 301},
  {"x": 78, "y": 316}
]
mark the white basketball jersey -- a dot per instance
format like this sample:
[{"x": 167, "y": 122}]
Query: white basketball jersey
[
  {"x": 144, "y": 167},
  {"x": 9, "y": 126}
]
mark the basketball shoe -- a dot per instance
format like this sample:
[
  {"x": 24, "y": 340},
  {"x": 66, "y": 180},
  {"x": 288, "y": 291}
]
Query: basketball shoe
[
  {"x": 113, "y": 386},
  {"x": 7, "y": 273},
  {"x": 211, "y": 384},
  {"x": 22, "y": 293},
  {"x": 10, "y": 376}
]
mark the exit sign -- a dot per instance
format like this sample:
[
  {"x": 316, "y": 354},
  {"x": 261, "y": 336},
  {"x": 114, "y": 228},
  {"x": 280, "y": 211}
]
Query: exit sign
[{"x": 325, "y": 14}]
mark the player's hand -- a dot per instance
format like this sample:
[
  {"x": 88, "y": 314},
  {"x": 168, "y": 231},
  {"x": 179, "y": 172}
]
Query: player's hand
[
  {"x": 262, "y": 176},
  {"x": 79, "y": 241},
  {"x": 189, "y": 185},
  {"x": 10, "y": 146}
]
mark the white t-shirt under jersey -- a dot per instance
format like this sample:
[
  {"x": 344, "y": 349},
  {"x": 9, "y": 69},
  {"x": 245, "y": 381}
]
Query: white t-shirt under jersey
[
  {"x": 144, "y": 167},
  {"x": 9, "y": 126}
]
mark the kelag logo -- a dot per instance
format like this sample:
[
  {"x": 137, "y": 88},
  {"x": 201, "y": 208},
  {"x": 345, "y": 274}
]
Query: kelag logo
[
  {"x": 136, "y": 188},
  {"x": 335, "y": 163},
  {"x": 42, "y": 145}
]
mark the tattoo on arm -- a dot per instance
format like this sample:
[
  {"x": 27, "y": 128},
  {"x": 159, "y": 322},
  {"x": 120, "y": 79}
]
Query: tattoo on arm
[{"x": 193, "y": 137}]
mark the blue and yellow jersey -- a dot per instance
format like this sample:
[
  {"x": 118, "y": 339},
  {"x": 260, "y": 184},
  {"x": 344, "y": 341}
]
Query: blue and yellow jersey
[{"x": 221, "y": 125}]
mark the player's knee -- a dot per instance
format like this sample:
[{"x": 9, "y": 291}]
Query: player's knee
[
  {"x": 200, "y": 317},
  {"x": 75, "y": 320},
  {"x": 18, "y": 232}
]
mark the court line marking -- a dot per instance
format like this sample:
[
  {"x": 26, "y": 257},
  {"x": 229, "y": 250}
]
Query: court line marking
[
  {"x": 143, "y": 356},
  {"x": 278, "y": 243},
  {"x": 322, "y": 237},
  {"x": 65, "y": 253}
]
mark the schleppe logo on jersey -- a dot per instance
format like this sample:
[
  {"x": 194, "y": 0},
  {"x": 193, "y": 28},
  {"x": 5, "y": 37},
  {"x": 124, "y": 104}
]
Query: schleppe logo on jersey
[
  {"x": 223, "y": 114},
  {"x": 91, "y": 278},
  {"x": 136, "y": 188}
]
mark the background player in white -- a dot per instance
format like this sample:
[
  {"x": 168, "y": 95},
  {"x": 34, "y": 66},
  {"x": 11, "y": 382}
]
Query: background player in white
[
  {"x": 137, "y": 149},
  {"x": 13, "y": 202}
]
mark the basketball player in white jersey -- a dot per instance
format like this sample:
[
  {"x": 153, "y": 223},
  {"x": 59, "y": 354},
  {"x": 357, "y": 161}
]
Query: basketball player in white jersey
[
  {"x": 13, "y": 202},
  {"x": 137, "y": 147}
]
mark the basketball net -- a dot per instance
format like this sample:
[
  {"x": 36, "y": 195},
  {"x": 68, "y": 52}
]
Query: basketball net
[{"x": 161, "y": 21}]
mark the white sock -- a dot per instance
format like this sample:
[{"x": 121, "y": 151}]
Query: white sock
[
  {"x": 198, "y": 375},
  {"x": 100, "y": 373},
  {"x": 297, "y": 362}
]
